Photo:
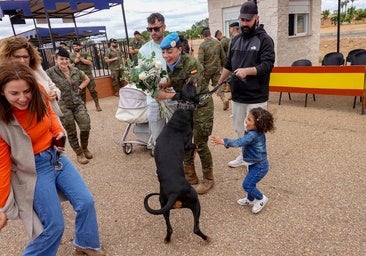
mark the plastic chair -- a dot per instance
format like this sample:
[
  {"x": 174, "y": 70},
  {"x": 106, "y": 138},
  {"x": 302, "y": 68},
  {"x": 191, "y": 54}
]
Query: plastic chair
[
  {"x": 359, "y": 58},
  {"x": 352, "y": 53},
  {"x": 333, "y": 59},
  {"x": 299, "y": 63}
]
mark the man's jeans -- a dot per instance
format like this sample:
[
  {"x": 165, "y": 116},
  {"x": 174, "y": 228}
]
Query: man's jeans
[
  {"x": 48, "y": 207},
  {"x": 256, "y": 172}
]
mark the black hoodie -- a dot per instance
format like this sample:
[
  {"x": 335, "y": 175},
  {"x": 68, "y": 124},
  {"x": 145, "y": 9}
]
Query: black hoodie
[{"x": 253, "y": 50}]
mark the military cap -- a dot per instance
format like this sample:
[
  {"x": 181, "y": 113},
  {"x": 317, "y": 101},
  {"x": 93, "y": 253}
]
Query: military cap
[
  {"x": 76, "y": 43},
  {"x": 234, "y": 24},
  {"x": 170, "y": 41},
  {"x": 62, "y": 52},
  {"x": 63, "y": 43},
  {"x": 112, "y": 40}
]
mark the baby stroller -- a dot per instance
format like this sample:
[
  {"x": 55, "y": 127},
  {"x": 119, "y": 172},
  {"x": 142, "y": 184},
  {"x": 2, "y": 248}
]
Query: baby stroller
[{"x": 132, "y": 108}]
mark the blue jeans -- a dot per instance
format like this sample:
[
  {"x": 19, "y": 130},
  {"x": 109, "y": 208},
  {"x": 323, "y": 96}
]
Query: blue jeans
[
  {"x": 256, "y": 172},
  {"x": 48, "y": 207}
]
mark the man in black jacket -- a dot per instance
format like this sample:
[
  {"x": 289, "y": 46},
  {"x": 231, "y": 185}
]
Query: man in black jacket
[{"x": 251, "y": 59}]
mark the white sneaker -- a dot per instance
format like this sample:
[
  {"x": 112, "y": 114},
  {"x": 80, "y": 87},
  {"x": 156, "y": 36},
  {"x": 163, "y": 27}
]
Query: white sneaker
[
  {"x": 237, "y": 162},
  {"x": 259, "y": 204},
  {"x": 244, "y": 201}
]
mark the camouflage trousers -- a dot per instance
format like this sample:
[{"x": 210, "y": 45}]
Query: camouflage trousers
[
  {"x": 202, "y": 129},
  {"x": 93, "y": 93},
  {"x": 214, "y": 78},
  {"x": 116, "y": 78},
  {"x": 76, "y": 114}
]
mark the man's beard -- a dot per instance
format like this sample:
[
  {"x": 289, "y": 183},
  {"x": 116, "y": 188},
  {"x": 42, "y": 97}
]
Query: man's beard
[
  {"x": 246, "y": 30},
  {"x": 77, "y": 50}
]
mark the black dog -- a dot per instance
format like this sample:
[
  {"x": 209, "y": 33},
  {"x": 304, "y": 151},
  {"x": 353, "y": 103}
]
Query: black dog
[{"x": 175, "y": 191}]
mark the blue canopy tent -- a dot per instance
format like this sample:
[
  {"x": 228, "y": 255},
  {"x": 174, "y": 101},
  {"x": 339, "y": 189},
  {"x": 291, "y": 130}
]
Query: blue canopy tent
[
  {"x": 62, "y": 34},
  {"x": 41, "y": 11}
]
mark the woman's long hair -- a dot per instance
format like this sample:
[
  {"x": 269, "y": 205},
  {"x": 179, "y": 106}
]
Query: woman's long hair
[{"x": 12, "y": 71}]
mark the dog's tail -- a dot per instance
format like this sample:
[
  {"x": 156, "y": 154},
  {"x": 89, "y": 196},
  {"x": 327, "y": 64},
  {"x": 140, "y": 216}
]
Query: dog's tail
[{"x": 169, "y": 205}]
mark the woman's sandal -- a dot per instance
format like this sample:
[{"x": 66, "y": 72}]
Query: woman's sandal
[{"x": 3, "y": 219}]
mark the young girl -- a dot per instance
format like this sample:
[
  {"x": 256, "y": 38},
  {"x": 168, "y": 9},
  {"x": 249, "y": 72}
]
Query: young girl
[{"x": 257, "y": 123}]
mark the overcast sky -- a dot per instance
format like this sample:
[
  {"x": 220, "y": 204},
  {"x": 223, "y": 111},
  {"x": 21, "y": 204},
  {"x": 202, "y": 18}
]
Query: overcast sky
[{"x": 180, "y": 15}]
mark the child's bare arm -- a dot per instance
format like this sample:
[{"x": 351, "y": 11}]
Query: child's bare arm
[{"x": 216, "y": 140}]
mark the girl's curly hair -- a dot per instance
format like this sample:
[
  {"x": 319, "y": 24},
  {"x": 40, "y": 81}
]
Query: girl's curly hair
[{"x": 263, "y": 120}]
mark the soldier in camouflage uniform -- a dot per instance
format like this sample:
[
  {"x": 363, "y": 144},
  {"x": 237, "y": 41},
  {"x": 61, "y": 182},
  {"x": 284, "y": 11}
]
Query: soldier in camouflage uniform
[
  {"x": 71, "y": 81},
  {"x": 83, "y": 61},
  {"x": 225, "y": 42},
  {"x": 180, "y": 67},
  {"x": 212, "y": 57},
  {"x": 115, "y": 60},
  {"x": 135, "y": 46}
]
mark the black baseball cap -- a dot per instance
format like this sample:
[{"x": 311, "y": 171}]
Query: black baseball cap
[{"x": 248, "y": 10}]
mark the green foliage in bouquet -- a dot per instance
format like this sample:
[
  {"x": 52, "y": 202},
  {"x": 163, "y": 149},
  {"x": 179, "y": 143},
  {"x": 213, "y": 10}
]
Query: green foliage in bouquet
[{"x": 146, "y": 75}]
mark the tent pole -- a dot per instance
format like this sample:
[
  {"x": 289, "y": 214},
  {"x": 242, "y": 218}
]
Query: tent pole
[
  {"x": 38, "y": 35},
  {"x": 49, "y": 27},
  {"x": 338, "y": 24},
  {"x": 76, "y": 27},
  {"x": 124, "y": 20}
]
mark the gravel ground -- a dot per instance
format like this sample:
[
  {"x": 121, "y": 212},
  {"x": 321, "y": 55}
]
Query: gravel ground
[{"x": 316, "y": 156}]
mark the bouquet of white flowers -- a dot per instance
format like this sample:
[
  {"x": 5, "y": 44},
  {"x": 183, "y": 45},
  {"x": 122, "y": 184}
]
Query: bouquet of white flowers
[{"x": 146, "y": 76}]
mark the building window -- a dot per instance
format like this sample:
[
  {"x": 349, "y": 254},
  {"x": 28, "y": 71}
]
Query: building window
[
  {"x": 299, "y": 18},
  {"x": 298, "y": 24}
]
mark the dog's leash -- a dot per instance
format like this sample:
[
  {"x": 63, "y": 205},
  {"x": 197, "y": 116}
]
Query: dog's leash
[{"x": 204, "y": 97}]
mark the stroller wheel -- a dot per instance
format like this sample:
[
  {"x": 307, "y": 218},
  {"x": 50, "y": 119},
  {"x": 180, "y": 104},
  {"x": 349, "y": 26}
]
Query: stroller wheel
[
  {"x": 127, "y": 148},
  {"x": 152, "y": 151}
]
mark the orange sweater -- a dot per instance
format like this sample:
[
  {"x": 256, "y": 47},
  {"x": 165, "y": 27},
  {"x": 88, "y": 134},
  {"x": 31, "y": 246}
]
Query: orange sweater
[{"x": 41, "y": 136}]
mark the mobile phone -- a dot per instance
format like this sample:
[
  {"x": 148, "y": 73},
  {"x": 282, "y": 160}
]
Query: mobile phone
[{"x": 60, "y": 142}]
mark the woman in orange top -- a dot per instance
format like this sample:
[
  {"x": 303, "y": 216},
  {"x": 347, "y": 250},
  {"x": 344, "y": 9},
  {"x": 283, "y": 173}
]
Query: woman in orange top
[{"x": 29, "y": 181}]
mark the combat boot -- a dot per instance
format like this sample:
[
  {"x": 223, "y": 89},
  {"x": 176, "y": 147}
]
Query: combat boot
[
  {"x": 80, "y": 156},
  {"x": 116, "y": 90},
  {"x": 97, "y": 106},
  {"x": 190, "y": 174},
  {"x": 207, "y": 182},
  {"x": 84, "y": 141}
]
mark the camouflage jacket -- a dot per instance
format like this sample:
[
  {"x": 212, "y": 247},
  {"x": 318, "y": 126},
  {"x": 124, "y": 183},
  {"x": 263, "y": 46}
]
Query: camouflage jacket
[
  {"x": 182, "y": 71},
  {"x": 69, "y": 90},
  {"x": 80, "y": 65},
  {"x": 225, "y": 44},
  {"x": 136, "y": 44},
  {"x": 211, "y": 55},
  {"x": 112, "y": 53}
]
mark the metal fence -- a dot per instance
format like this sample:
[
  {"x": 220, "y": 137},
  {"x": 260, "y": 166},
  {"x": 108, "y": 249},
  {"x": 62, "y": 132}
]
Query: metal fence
[{"x": 96, "y": 51}]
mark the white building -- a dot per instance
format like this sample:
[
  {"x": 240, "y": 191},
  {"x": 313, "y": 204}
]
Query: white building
[{"x": 294, "y": 25}]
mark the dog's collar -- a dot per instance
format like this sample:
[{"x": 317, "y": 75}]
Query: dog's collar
[{"x": 186, "y": 105}]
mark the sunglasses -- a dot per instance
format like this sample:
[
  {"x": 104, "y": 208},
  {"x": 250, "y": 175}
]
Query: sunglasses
[{"x": 156, "y": 29}]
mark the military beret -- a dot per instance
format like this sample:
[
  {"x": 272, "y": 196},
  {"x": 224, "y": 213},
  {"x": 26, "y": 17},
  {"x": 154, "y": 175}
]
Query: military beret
[
  {"x": 76, "y": 43},
  {"x": 234, "y": 24},
  {"x": 170, "y": 41},
  {"x": 112, "y": 40},
  {"x": 62, "y": 52}
]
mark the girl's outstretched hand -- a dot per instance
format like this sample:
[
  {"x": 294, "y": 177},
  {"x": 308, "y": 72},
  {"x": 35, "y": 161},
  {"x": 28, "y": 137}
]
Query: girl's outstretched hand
[
  {"x": 216, "y": 140},
  {"x": 3, "y": 219}
]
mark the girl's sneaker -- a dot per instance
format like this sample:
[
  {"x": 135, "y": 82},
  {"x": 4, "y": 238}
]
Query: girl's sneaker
[
  {"x": 259, "y": 204},
  {"x": 244, "y": 201}
]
